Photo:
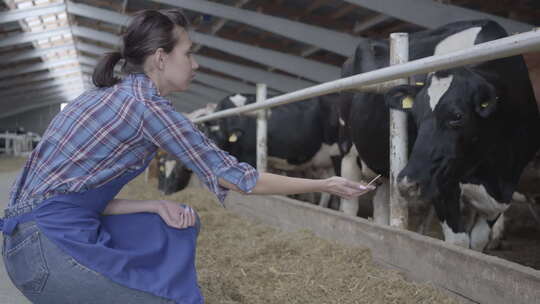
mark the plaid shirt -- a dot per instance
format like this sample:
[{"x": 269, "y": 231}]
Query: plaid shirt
[{"x": 105, "y": 132}]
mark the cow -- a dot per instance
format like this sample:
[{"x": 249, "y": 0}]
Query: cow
[
  {"x": 472, "y": 130},
  {"x": 302, "y": 139},
  {"x": 301, "y": 136},
  {"x": 173, "y": 176}
]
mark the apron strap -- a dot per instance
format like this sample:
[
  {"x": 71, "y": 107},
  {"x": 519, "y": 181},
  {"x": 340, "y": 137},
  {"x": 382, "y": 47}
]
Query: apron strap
[{"x": 8, "y": 225}]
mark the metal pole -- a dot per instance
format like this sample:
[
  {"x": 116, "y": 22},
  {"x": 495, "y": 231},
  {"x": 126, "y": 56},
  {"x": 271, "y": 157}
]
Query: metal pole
[
  {"x": 399, "y": 215},
  {"x": 262, "y": 127}
]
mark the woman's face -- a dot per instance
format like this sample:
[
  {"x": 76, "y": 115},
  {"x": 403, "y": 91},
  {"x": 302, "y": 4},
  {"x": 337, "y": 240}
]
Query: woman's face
[{"x": 179, "y": 65}]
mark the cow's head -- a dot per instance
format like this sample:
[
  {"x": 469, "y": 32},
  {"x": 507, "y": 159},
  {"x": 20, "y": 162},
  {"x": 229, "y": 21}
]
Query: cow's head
[
  {"x": 455, "y": 112},
  {"x": 234, "y": 133}
]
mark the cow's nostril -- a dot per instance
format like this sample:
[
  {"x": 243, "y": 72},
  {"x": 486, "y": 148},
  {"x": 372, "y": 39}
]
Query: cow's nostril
[{"x": 408, "y": 188}]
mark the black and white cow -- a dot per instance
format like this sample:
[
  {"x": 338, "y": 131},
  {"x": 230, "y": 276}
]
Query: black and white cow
[
  {"x": 301, "y": 136},
  {"x": 173, "y": 176},
  {"x": 473, "y": 130},
  {"x": 302, "y": 139}
]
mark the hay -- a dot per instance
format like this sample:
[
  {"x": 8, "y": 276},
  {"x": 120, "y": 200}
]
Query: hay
[
  {"x": 10, "y": 164},
  {"x": 239, "y": 261}
]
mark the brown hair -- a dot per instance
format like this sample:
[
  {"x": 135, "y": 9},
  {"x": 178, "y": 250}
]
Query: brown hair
[{"x": 147, "y": 31}]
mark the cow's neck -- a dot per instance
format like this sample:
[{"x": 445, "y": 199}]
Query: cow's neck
[
  {"x": 500, "y": 171},
  {"x": 518, "y": 129}
]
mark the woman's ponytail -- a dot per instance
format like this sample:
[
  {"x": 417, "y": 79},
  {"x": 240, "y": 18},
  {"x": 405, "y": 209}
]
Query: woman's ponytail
[{"x": 104, "y": 72}]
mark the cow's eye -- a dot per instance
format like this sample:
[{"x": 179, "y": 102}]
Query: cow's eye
[{"x": 456, "y": 120}]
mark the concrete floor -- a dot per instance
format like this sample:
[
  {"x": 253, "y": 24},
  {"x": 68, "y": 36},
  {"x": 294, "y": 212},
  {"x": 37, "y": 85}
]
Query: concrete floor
[{"x": 8, "y": 293}]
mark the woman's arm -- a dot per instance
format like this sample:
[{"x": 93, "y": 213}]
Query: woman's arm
[
  {"x": 171, "y": 212},
  {"x": 269, "y": 183},
  {"x": 125, "y": 206}
]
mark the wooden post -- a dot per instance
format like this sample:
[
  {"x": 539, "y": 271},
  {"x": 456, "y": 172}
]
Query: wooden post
[
  {"x": 399, "y": 213},
  {"x": 261, "y": 130}
]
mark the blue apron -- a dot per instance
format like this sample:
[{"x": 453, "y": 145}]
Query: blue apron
[{"x": 137, "y": 250}]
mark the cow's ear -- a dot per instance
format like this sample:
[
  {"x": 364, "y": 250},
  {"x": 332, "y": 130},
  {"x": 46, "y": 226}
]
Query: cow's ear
[{"x": 402, "y": 97}]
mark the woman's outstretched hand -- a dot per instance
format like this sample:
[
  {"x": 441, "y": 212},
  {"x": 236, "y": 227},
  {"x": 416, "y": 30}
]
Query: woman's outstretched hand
[
  {"x": 345, "y": 188},
  {"x": 175, "y": 214}
]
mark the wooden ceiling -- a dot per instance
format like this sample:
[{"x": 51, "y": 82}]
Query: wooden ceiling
[{"x": 336, "y": 15}]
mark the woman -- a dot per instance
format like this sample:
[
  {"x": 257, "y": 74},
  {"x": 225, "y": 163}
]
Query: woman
[{"x": 67, "y": 240}]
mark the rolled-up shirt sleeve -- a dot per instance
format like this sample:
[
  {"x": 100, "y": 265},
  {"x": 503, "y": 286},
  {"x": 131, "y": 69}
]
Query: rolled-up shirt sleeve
[{"x": 173, "y": 132}]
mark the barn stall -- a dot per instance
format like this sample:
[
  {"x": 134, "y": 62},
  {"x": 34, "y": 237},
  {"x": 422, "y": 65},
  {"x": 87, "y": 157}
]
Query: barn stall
[{"x": 95, "y": 21}]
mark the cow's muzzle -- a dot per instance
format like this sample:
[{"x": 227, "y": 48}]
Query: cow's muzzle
[{"x": 408, "y": 188}]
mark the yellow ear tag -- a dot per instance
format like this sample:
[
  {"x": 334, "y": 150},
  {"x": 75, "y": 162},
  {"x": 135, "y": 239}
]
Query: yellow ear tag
[
  {"x": 161, "y": 168},
  {"x": 484, "y": 104},
  {"x": 419, "y": 84},
  {"x": 407, "y": 102},
  {"x": 233, "y": 138}
]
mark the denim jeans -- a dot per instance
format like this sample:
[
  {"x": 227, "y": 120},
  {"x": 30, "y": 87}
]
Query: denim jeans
[{"x": 44, "y": 274}]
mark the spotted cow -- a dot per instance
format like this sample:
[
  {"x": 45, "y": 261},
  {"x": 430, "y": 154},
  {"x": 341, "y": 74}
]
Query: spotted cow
[{"x": 471, "y": 130}]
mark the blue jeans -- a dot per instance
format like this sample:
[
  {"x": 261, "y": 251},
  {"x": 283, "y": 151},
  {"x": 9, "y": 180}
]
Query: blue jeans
[{"x": 44, "y": 274}]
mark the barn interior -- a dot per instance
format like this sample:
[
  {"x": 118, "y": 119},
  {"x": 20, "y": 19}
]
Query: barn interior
[{"x": 49, "y": 48}]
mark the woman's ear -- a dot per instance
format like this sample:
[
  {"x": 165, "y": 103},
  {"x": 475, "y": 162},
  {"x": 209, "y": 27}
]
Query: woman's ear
[{"x": 159, "y": 59}]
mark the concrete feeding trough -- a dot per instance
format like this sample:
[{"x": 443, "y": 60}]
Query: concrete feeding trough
[{"x": 471, "y": 276}]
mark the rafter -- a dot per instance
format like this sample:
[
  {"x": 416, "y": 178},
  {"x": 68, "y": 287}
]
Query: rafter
[
  {"x": 276, "y": 81},
  {"x": 29, "y": 37},
  {"x": 220, "y": 23},
  {"x": 19, "y": 14},
  {"x": 34, "y": 53},
  {"x": 293, "y": 64},
  {"x": 369, "y": 23},
  {"x": 28, "y": 68},
  {"x": 224, "y": 84},
  {"x": 54, "y": 84},
  {"x": 330, "y": 40},
  {"x": 16, "y": 81},
  {"x": 434, "y": 14}
]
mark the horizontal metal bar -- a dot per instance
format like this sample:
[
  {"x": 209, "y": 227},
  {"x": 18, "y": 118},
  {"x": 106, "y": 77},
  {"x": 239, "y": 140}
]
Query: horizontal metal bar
[
  {"x": 29, "y": 37},
  {"x": 504, "y": 47},
  {"x": 19, "y": 14},
  {"x": 15, "y": 81},
  {"x": 34, "y": 53},
  {"x": 37, "y": 67},
  {"x": 41, "y": 86}
]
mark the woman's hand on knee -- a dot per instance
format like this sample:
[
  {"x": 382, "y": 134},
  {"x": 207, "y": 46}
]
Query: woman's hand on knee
[{"x": 176, "y": 215}]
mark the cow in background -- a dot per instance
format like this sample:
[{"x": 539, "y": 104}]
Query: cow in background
[
  {"x": 302, "y": 136},
  {"x": 472, "y": 130},
  {"x": 173, "y": 176}
]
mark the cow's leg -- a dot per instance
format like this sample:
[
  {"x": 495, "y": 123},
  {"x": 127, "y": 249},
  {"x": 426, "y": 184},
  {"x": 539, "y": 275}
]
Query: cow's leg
[
  {"x": 426, "y": 222},
  {"x": 350, "y": 171},
  {"x": 457, "y": 238},
  {"x": 381, "y": 204},
  {"x": 448, "y": 210},
  {"x": 480, "y": 233},
  {"x": 324, "y": 200},
  {"x": 497, "y": 232}
]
